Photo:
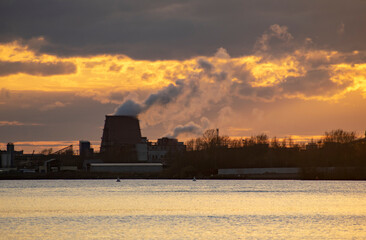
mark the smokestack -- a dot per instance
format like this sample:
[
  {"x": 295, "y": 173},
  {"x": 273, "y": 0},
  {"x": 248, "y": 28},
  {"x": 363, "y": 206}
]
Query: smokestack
[{"x": 120, "y": 131}]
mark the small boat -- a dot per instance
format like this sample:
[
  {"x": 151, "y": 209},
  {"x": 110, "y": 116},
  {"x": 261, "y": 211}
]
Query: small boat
[{"x": 118, "y": 180}]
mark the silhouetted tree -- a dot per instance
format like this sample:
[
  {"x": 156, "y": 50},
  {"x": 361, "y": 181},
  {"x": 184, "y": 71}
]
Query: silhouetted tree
[
  {"x": 339, "y": 136},
  {"x": 275, "y": 143},
  {"x": 337, "y": 148},
  {"x": 190, "y": 145},
  {"x": 210, "y": 139},
  {"x": 261, "y": 139},
  {"x": 290, "y": 142},
  {"x": 284, "y": 142}
]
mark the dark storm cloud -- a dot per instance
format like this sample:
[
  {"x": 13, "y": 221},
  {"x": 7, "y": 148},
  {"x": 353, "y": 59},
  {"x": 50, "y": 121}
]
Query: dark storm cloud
[
  {"x": 176, "y": 29},
  {"x": 34, "y": 68}
]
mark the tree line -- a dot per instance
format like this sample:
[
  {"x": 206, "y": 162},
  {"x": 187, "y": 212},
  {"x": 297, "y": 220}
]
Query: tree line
[{"x": 206, "y": 154}]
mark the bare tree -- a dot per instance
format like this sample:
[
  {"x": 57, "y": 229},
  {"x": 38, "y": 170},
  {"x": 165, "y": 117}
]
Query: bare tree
[
  {"x": 275, "y": 143},
  {"x": 210, "y": 139},
  {"x": 261, "y": 139},
  {"x": 190, "y": 145},
  {"x": 284, "y": 142},
  {"x": 339, "y": 136},
  {"x": 236, "y": 143},
  {"x": 290, "y": 142}
]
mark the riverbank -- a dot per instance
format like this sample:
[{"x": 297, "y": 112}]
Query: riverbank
[{"x": 105, "y": 175}]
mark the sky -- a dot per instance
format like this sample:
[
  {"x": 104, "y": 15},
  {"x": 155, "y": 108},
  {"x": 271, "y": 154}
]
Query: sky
[{"x": 283, "y": 68}]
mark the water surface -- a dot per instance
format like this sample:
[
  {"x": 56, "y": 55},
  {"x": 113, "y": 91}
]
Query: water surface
[{"x": 182, "y": 209}]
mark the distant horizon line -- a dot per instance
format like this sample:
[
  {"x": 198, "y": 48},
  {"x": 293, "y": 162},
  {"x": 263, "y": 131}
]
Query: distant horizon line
[{"x": 37, "y": 146}]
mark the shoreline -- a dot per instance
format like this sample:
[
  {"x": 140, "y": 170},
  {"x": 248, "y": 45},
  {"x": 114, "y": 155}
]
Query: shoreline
[{"x": 88, "y": 175}]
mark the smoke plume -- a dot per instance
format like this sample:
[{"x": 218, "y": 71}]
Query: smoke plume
[
  {"x": 190, "y": 128},
  {"x": 129, "y": 108},
  {"x": 161, "y": 98},
  {"x": 166, "y": 95}
]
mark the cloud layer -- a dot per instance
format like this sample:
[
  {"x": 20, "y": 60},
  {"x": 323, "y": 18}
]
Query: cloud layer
[
  {"x": 36, "y": 68},
  {"x": 176, "y": 29},
  {"x": 279, "y": 68}
]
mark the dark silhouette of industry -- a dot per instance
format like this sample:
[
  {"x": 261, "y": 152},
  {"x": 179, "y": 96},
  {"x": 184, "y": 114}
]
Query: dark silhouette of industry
[
  {"x": 124, "y": 153},
  {"x": 121, "y": 139},
  {"x": 122, "y": 142},
  {"x": 123, "y": 149}
]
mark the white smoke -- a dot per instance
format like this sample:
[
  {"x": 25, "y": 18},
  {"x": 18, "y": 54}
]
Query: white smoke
[
  {"x": 129, "y": 108},
  {"x": 166, "y": 95},
  {"x": 189, "y": 128},
  {"x": 162, "y": 97}
]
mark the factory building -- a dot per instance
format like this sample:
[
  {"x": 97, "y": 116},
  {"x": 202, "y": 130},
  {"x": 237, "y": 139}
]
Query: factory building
[
  {"x": 164, "y": 149},
  {"x": 8, "y": 157},
  {"x": 142, "y": 150},
  {"x": 85, "y": 150}
]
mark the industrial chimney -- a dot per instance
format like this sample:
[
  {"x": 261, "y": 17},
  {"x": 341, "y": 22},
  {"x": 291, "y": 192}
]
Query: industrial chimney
[{"x": 120, "y": 136}]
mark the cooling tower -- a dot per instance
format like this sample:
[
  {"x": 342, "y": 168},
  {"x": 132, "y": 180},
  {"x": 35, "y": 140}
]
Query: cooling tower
[{"x": 120, "y": 136}]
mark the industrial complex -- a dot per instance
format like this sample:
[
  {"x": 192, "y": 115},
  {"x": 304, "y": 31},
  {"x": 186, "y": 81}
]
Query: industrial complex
[
  {"x": 125, "y": 153},
  {"x": 122, "y": 150},
  {"x": 122, "y": 142}
]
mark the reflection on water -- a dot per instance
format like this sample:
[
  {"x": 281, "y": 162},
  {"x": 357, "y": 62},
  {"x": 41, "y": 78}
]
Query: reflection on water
[{"x": 182, "y": 209}]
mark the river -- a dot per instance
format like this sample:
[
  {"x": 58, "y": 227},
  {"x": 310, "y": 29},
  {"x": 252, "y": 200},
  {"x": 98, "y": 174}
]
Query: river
[{"x": 182, "y": 209}]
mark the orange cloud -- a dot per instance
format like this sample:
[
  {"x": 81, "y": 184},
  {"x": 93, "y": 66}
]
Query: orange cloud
[
  {"x": 16, "y": 123},
  {"x": 102, "y": 75},
  {"x": 354, "y": 75}
]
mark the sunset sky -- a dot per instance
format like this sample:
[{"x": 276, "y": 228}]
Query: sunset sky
[{"x": 284, "y": 68}]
